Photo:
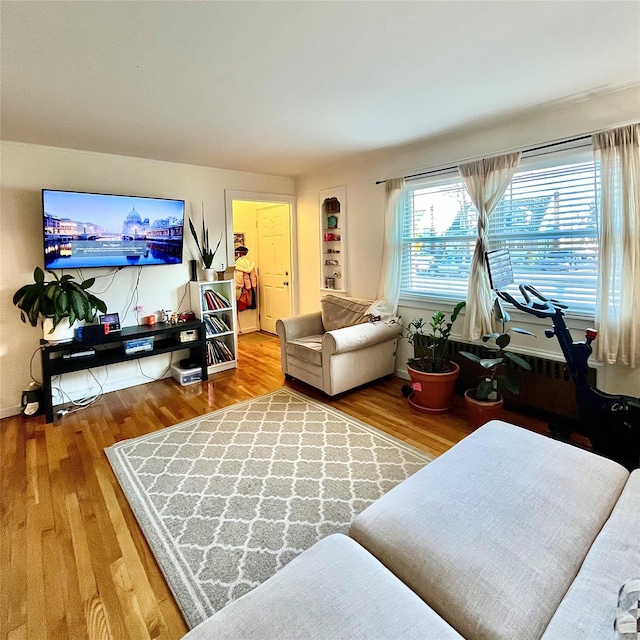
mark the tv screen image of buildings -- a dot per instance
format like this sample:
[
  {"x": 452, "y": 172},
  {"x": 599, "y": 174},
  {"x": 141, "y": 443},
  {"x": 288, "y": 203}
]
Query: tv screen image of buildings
[{"x": 98, "y": 230}]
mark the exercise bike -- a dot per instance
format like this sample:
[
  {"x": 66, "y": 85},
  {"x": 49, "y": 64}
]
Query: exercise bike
[{"x": 611, "y": 422}]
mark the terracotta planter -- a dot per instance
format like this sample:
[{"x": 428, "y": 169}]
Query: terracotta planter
[
  {"x": 481, "y": 411},
  {"x": 433, "y": 392}
]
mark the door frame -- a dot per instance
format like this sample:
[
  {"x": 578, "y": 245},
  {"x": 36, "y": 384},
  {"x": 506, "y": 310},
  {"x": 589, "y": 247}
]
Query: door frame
[{"x": 231, "y": 195}]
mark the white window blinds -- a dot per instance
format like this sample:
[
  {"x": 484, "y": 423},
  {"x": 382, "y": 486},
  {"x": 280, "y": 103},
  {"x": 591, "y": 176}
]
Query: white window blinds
[{"x": 546, "y": 219}]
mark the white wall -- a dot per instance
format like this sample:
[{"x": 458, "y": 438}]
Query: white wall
[
  {"x": 26, "y": 169},
  {"x": 365, "y": 202}
]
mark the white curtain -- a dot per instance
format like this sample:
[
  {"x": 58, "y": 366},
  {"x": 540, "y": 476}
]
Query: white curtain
[
  {"x": 618, "y": 300},
  {"x": 486, "y": 181},
  {"x": 389, "y": 284}
]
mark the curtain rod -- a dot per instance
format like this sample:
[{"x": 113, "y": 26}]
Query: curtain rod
[{"x": 530, "y": 150}]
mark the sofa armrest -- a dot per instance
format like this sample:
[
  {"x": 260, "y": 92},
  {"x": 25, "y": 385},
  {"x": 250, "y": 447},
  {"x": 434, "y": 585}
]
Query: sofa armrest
[
  {"x": 358, "y": 336},
  {"x": 300, "y": 326}
]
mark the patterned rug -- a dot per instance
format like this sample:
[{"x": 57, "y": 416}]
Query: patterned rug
[{"x": 228, "y": 498}]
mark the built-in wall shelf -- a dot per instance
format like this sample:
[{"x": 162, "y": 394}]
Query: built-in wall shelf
[{"x": 333, "y": 239}]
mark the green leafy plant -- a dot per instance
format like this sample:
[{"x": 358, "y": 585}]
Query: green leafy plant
[
  {"x": 430, "y": 340},
  {"x": 498, "y": 374},
  {"x": 206, "y": 254},
  {"x": 59, "y": 298}
]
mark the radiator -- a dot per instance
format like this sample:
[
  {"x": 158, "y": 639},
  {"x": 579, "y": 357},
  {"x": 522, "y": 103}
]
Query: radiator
[{"x": 546, "y": 390}]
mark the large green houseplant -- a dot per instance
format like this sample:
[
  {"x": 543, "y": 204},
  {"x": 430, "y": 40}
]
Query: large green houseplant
[
  {"x": 60, "y": 299},
  {"x": 430, "y": 340},
  {"x": 432, "y": 374}
]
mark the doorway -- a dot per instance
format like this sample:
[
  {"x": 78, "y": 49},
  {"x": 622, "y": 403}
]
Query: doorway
[{"x": 262, "y": 224}]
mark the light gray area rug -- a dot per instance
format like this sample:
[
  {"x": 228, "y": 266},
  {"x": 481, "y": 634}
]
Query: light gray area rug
[{"x": 228, "y": 498}]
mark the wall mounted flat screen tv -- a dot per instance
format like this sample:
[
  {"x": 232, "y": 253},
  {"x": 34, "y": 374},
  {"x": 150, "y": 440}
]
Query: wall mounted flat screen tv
[{"x": 102, "y": 230}]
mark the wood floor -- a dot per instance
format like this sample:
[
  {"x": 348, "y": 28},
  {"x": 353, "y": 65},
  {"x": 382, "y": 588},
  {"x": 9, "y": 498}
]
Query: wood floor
[{"x": 73, "y": 561}]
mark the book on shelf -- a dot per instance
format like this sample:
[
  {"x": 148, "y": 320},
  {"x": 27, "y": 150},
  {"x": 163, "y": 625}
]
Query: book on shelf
[
  {"x": 214, "y": 300},
  {"x": 217, "y": 352},
  {"x": 214, "y": 325}
]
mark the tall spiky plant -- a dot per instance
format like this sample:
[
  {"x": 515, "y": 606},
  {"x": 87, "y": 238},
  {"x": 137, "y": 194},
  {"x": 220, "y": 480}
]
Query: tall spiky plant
[{"x": 206, "y": 254}]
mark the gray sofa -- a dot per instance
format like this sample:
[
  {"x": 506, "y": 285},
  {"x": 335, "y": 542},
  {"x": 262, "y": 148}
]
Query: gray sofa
[{"x": 508, "y": 536}]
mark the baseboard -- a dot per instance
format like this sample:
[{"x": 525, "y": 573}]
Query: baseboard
[
  {"x": 108, "y": 387},
  {"x": 246, "y": 330},
  {"x": 402, "y": 373},
  {"x": 115, "y": 384},
  {"x": 7, "y": 412}
]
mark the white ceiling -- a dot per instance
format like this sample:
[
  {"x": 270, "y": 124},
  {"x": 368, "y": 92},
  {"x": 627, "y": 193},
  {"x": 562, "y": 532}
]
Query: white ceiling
[{"x": 287, "y": 87}]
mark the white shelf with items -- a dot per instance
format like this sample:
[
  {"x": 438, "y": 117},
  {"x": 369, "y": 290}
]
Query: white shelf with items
[
  {"x": 215, "y": 304},
  {"x": 333, "y": 239}
]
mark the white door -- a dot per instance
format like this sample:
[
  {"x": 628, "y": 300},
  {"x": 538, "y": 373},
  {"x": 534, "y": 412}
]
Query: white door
[{"x": 274, "y": 278}]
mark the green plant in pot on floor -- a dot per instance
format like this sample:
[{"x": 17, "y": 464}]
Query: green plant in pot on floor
[
  {"x": 432, "y": 374},
  {"x": 59, "y": 303},
  {"x": 501, "y": 371}
]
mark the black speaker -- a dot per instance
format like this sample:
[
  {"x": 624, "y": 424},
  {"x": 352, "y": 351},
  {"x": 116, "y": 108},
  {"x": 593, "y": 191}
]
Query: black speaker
[
  {"x": 193, "y": 265},
  {"x": 92, "y": 333}
]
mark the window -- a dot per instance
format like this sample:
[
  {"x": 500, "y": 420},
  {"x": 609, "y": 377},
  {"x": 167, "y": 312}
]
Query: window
[{"x": 546, "y": 219}]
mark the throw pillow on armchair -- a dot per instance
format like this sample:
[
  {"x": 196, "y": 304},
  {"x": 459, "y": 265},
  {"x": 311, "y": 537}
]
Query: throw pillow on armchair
[{"x": 344, "y": 312}]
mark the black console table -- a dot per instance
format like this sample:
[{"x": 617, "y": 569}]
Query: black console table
[{"x": 109, "y": 349}]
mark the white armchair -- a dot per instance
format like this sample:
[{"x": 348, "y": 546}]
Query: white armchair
[{"x": 339, "y": 359}]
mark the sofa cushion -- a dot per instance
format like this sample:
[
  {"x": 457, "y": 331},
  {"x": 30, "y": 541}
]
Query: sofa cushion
[
  {"x": 308, "y": 349},
  {"x": 588, "y": 609},
  {"x": 344, "y": 312},
  {"x": 335, "y": 589},
  {"x": 492, "y": 533}
]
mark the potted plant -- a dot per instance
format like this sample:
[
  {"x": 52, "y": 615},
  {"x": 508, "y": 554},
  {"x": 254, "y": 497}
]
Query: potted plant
[
  {"x": 501, "y": 371},
  {"x": 433, "y": 375},
  {"x": 206, "y": 253},
  {"x": 60, "y": 302}
]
